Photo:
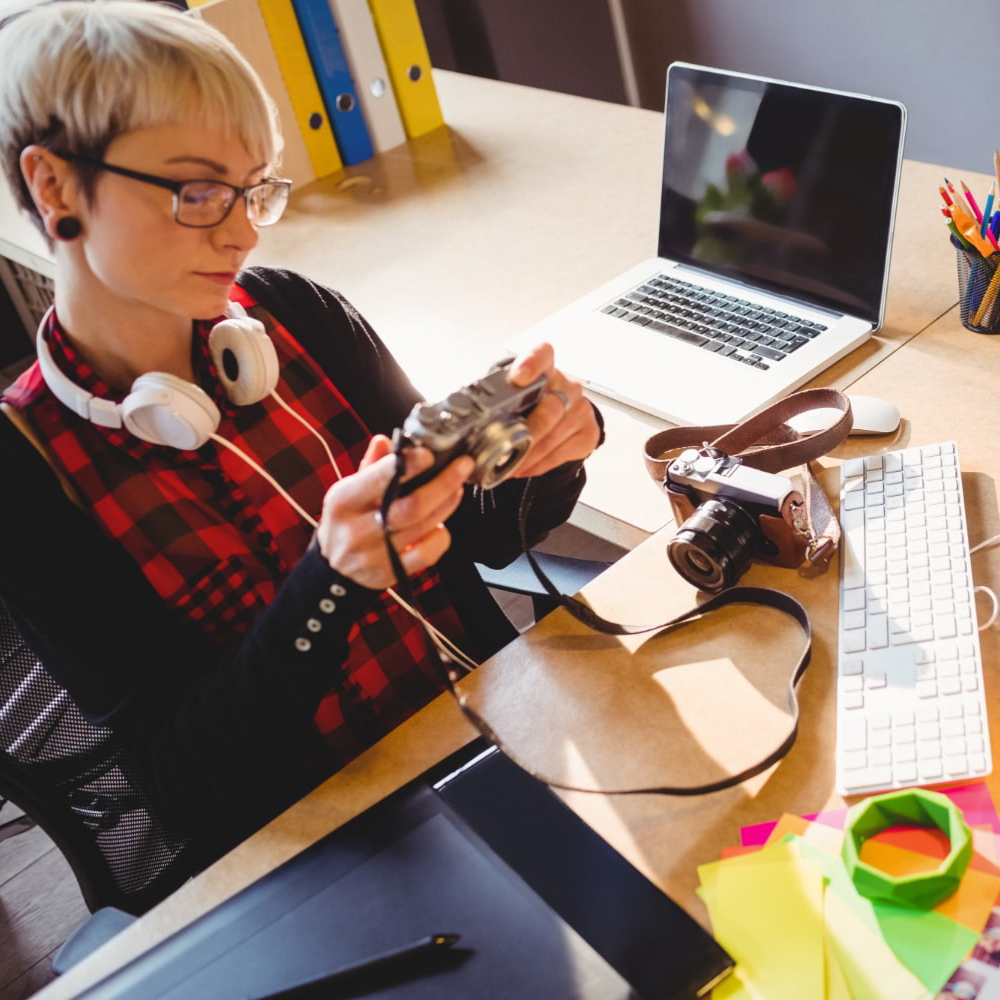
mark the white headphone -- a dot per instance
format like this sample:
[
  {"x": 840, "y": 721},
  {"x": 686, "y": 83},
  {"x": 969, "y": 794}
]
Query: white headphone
[{"x": 166, "y": 410}]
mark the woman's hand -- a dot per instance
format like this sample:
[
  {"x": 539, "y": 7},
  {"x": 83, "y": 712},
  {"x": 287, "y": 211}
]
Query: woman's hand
[
  {"x": 350, "y": 531},
  {"x": 563, "y": 425}
]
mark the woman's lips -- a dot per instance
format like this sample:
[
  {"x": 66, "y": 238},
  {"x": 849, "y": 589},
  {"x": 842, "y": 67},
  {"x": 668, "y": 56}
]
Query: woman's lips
[{"x": 219, "y": 277}]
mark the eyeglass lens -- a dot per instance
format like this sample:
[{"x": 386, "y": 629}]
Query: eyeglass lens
[{"x": 205, "y": 203}]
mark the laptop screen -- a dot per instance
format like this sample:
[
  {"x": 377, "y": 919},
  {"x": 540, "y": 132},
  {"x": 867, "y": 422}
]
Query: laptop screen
[{"x": 785, "y": 188}]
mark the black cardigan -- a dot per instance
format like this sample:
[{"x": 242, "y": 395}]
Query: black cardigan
[{"x": 225, "y": 739}]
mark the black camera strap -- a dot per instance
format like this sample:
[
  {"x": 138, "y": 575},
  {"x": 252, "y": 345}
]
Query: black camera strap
[{"x": 587, "y": 616}]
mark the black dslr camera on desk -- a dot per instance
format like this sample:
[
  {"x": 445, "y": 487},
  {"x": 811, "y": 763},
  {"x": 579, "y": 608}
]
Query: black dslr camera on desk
[
  {"x": 484, "y": 420},
  {"x": 728, "y": 514}
]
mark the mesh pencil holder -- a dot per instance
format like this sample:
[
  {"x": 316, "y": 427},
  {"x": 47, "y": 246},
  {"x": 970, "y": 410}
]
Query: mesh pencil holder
[{"x": 979, "y": 290}]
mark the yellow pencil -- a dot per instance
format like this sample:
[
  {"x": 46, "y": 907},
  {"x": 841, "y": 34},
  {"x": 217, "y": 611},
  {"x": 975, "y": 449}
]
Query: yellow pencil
[{"x": 988, "y": 297}]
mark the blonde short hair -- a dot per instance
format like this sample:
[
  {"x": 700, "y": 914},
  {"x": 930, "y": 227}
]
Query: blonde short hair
[{"x": 79, "y": 73}]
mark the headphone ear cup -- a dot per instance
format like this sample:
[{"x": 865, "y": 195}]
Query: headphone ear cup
[
  {"x": 246, "y": 359},
  {"x": 166, "y": 410}
]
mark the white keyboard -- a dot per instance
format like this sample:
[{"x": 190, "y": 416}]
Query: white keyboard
[{"x": 910, "y": 702}]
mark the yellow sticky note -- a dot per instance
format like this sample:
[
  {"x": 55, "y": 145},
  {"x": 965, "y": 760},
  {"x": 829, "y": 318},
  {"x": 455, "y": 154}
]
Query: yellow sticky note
[
  {"x": 766, "y": 911},
  {"x": 836, "y": 982},
  {"x": 871, "y": 970}
]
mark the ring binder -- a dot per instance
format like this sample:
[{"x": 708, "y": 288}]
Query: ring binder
[
  {"x": 409, "y": 64},
  {"x": 303, "y": 90},
  {"x": 322, "y": 40},
  {"x": 371, "y": 75}
]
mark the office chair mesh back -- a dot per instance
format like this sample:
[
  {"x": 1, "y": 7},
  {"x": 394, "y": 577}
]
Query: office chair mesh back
[{"x": 75, "y": 782}]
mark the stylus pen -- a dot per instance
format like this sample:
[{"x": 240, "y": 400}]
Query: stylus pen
[{"x": 406, "y": 958}]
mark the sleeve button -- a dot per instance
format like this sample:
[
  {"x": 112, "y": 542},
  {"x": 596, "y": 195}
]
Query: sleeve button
[
  {"x": 302, "y": 644},
  {"x": 314, "y": 624},
  {"x": 337, "y": 589},
  {"x": 327, "y": 606}
]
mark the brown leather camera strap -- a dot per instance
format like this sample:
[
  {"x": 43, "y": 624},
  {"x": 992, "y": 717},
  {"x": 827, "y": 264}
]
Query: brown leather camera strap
[
  {"x": 764, "y": 441},
  {"x": 767, "y": 442}
]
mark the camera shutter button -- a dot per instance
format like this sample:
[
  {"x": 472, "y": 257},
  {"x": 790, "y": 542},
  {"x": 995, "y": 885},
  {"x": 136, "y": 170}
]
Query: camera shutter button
[
  {"x": 682, "y": 464},
  {"x": 704, "y": 464},
  {"x": 426, "y": 414},
  {"x": 459, "y": 404}
]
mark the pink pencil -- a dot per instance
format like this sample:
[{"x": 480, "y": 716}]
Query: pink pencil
[{"x": 971, "y": 201}]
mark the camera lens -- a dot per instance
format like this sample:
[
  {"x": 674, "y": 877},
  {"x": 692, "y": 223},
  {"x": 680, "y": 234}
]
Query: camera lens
[
  {"x": 713, "y": 547},
  {"x": 499, "y": 451}
]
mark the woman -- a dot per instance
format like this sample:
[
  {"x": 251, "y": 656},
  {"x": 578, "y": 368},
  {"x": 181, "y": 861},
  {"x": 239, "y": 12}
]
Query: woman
[{"x": 217, "y": 587}]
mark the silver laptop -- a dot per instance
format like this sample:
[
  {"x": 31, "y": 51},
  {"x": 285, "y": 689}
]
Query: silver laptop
[{"x": 776, "y": 220}]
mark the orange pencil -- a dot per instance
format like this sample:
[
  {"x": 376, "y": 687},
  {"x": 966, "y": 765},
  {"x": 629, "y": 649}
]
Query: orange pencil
[
  {"x": 962, "y": 218},
  {"x": 969, "y": 229}
]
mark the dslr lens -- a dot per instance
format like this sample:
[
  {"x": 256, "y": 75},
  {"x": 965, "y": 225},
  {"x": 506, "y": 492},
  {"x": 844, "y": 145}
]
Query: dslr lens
[{"x": 713, "y": 547}]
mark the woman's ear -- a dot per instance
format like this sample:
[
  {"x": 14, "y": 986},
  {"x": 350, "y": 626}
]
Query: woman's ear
[{"x": 53, "y": 187}]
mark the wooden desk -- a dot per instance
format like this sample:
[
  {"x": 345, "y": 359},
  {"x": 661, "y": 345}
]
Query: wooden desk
[
  {"x": 588, "y": 708},
  {"x": 518, "y": 193},
  {"x": 454, "y": 242}
]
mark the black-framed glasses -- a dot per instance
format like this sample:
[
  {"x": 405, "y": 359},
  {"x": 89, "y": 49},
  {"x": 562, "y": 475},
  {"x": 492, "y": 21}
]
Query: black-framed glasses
[{"x": 203, "y": 204}]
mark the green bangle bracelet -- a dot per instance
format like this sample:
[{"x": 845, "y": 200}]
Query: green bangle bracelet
[{"x": 917, "y": 807}]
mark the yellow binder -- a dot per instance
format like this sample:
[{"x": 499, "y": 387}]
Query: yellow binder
[
  {"x": 310, "y": 112},
  {"x": 243, "y": 24},
  {"x": 409, "y": 64}
]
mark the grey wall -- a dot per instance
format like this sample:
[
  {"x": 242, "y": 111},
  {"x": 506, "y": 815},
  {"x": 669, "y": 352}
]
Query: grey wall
[
  {"x": 939, "y": 57},
  {"x": 565, "y": 45}
]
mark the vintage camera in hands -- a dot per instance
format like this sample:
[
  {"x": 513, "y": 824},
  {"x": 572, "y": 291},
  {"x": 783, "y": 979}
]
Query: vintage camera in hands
[
  {"x": 729, "y": 514},
  {"x": 485, "y": 420}
]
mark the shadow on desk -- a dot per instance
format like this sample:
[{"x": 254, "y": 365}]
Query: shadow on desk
[{"x": 415, "y": 169}]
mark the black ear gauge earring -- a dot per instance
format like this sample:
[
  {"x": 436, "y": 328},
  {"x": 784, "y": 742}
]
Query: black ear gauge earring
[{"x": 68, "y": 228}]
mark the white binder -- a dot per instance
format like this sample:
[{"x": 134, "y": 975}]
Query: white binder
[{"x": 371, "y": 78}]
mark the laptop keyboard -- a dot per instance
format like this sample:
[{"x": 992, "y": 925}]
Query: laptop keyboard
[{"x": 724, "y": 324}]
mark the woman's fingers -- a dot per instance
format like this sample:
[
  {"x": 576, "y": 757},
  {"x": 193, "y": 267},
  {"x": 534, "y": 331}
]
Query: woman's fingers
[
  {"x": 563, "y": 425},
  {"x": 351, "y": 533}
]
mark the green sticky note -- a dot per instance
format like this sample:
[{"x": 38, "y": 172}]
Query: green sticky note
[{"x": 928, "y": 943}]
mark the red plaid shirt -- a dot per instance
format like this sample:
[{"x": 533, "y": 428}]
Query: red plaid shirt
[{"x": 216, "y": 540}]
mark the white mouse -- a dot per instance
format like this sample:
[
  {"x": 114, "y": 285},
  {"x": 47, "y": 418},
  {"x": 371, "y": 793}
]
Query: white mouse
[{"x": 871, "y": 416}]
